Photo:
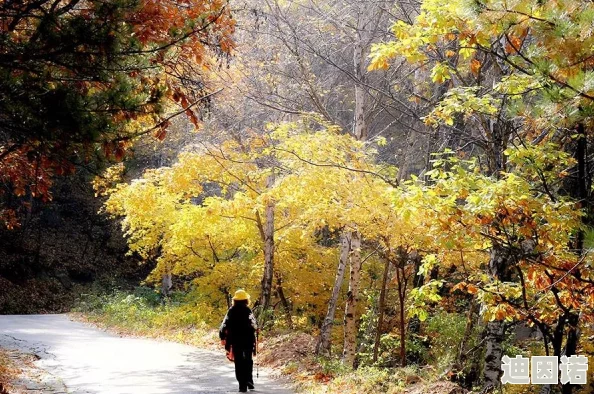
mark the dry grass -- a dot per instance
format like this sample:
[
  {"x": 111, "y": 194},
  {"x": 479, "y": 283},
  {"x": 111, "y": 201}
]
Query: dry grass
[
  {"x": 9, "y": 371},
  {"x": 194, "y": 336}
]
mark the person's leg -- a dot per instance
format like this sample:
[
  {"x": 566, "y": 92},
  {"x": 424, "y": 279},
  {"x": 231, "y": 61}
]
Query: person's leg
[
  {"x": 249, "y": 369},
  {"x": 241, "y": 369}
]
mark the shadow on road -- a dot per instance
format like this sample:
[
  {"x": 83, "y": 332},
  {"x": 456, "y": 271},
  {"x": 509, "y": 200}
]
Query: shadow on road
[{"x": 92, "y": 362}]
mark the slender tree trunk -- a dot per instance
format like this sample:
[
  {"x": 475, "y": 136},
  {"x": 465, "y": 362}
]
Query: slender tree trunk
[
  {"x": 382, "y": 306},
  {"x": 166, "y": 281},
  {"x": 582, "y": 187},
  {"x": 323, "y": 345},
  {"x": 281, "y": 295},
  {"x": 571, "y": 344},
  {"x": 350, "y": 318},
  {"x": 557, "y": 344},
  {"x": 360, "y": 130},
  {"x": 558, "y": 336},
  {"x": 268, "y": 235},
  {"x": 228, "y": 297},
  {"x": 497, "y": 133},
  {"x": 166, "y": 278},
  {"x": 582, "y": 193},
  {"x": 414, "y": 324},
  {"x": 268, "y": 257},
  {"x": 402, "y": 335},
  {"x": 400, "y": 280},
  {"x": 494, "y": 334}
]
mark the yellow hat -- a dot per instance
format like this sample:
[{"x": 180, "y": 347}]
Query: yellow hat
[{"x": 241, "y": 295}]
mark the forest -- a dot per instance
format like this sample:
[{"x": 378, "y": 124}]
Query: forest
[{"x": 404, "y": 187}]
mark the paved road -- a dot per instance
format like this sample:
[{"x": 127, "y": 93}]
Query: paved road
[{"x": 80, "y": 359}]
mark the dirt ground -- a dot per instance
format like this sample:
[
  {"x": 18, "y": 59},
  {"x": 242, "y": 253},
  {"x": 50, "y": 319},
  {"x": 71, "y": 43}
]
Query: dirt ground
[{"x": 281, "y": 350}]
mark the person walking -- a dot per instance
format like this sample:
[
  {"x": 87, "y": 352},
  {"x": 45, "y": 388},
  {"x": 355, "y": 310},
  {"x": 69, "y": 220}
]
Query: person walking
[{"x": 238, "y": 333}]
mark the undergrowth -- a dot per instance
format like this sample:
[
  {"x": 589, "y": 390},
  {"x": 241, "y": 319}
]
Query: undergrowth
[
  {"x": 364, "y": 380},
  {"x": 144, "y": 312}
]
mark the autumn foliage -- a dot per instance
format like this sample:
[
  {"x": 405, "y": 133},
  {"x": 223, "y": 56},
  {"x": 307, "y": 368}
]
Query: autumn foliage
[
  {"x": 490, "y": 218},
  {"x": 81, "y": 79},
  {"x": 500, "y": 222}
]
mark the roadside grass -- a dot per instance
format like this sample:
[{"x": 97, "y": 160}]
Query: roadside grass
[
  {"x": 290, "y": 353},
  {"x": 143, "y": 313},
  {"x": 364, "y": 380}
]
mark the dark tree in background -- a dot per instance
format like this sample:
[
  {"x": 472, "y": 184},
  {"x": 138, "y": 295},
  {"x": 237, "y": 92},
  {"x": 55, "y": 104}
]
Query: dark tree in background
[{"x": 80, "y": 79}]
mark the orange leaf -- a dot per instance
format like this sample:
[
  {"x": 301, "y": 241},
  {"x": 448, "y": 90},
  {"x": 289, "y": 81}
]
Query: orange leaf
[
  {"x": 119, "y": 153},
  {"x": 458, "y": 286},
  {"x": 475, "y": 66},
  {"x": 161, "y": 134},
  {"x": 513, "y": 45}
]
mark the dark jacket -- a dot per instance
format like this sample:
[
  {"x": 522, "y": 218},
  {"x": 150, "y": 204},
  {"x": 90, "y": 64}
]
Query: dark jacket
[{"x": 239, "y": 328}]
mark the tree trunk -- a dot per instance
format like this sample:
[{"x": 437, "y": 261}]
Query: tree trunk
[
  {"x": 350, "y": 318},
  {"x": 402, "y": 335},
  {"x": 401, "y": 284},
  {"x": 281, "y": 295},
  {"x": 571, "y": 344},
  {"x": 228, "y": 298},
  {"x": 360, "y": 131},
  {"x": 557, "y": 343},
  {"x": 323, "y": 346},
  {"x": 166, "y": 282},
  {"x": 581, "y": 156},
  {"x": 268, "y": 235},
  {"x": 494, "y": 335},
  {"x": 360, "y": 120},
  {"x": 382, "y": 306},
  {"x": 581, "y": 192}
]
